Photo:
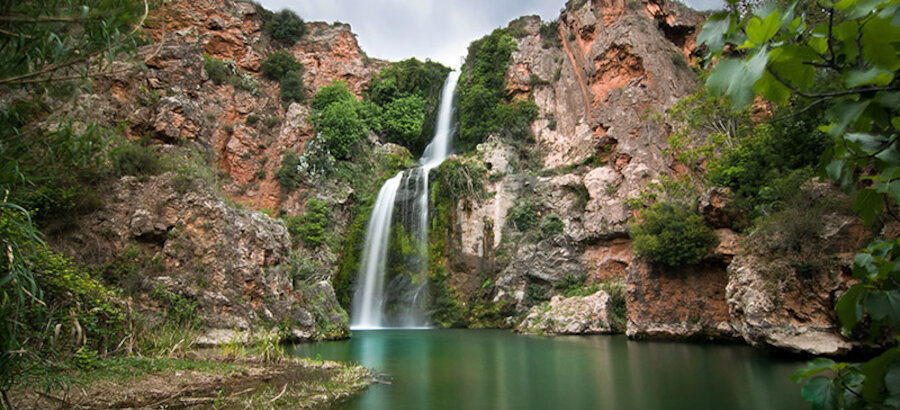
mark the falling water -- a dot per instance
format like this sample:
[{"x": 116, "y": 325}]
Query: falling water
[{"x": 371, "y": 297}]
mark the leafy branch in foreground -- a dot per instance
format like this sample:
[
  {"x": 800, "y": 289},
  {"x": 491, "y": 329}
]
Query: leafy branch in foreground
[
  {"x": 844, "y": 52},
  {"x": 58, "y": 40}
]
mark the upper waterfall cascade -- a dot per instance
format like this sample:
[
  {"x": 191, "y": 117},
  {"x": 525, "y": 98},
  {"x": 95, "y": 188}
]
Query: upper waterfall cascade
[{"x": 403, "y": 301}]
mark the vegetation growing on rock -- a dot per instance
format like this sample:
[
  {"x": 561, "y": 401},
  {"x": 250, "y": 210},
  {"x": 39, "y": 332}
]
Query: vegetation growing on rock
[
  {"x": 484, "y": 107},
  {"x": 406, "y": 96},
  {"x": 672, "y": 234}
]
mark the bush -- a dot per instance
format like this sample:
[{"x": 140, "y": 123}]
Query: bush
[
  {"x": 340, "y": 127},
  {"x": 285, "y": 26},
  {"x": 288, "y": 175},
  {"x": 524, "y": 215},
  {"x": 217, "y": 70},
  {"x": 333, "y": 93},
  {"x": 402, "y": 121},
  {"x": 134, "y": 159},
  {"x": 279, "y": 63},
  {"x": 672, "y": 234},
  {"x": 226, "y": 71},
  {"x": 310, "y": 227},
  {"x": 550, "y": 34},
  {"x": 461, "y": 179},
  {"x": 407, "y": 94},
  {"x": 551, "y": 225},
  {"x": 292, "y": 88}
]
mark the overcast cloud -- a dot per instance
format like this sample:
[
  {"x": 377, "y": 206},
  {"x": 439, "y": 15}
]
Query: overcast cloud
[{"x": 439, "y": 30}]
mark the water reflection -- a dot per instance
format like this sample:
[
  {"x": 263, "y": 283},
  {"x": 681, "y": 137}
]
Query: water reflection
[{"x": 483, "y": 369}]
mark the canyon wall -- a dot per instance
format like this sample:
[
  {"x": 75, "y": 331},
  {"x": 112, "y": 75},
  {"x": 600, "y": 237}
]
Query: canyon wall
[{"x": 602, "y": 79}]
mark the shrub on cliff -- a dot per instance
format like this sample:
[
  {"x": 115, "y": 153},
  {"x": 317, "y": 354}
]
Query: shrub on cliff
[
  {"x": 337, "y": 120},
  {"x": 340, "y": 127},
  {"x": 292, "y": 88},
  {"x": 335, "y": 92},
  {"x": 407, "y": 94},
  {"x": 672, "y": 234},
  {"x": 285, "y": 26},
  {"x": 524, "y": 215},
  {"x": 279, "y": 63},
  {"x": 289, "y": 174},
  {"x": 310, "y": 227}
]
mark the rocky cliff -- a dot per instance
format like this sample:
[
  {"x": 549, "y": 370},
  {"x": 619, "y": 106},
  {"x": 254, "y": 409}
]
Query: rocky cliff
[
  {"x": 594, "y": 75},
  {"x": 601, "y": 76},
  {"x": 193, "y": 231}
]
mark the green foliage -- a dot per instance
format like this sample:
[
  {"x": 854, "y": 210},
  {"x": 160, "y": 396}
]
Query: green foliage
[
  {"x": 551, "y": 225},
  {"x": 316, "y": 162},
  {"x": 573, "y": 285},
  {"x": 462, "y": 178},
  {"x": 217, "y": 70},
  {"x": 348, "y": 265},
  {"x": 226, "y": 71},
  {"x": 285, "y": 26},
  {"x": 672, "y": 234},
  {"x": 134, "y": 159},
  {"x": 536, "y": 294},
  {"x": 406, "y": 95},
  {"x": 617, "y": 296},
  {"x": 288, "y": 175},
  {"x": 402, "y": 120},
  {"x": 180, "y": 310},
  {"x": 525, "y": 215},
  {"x": 336, "y": 92},
  {"x": 53, "y": 40},
  {"x": 483, "y": 105},
  {"x": 516, "y": 28},
  {"x": 448, "y": 310},
  {"x": 550, "y": 34},
  {"x": 292, "y": 88},
  {"x": 310, "y": 227},
  {"x": 337, "y": 119},
  {"x": 283, "y": 67},
  {"x": 340, "y": 127},
  {"x": 785, "y": 54},
  {"x": 279, "y": 63}
]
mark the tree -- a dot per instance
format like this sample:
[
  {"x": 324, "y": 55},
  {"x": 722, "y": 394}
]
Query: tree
[
  {"x": 279, "y": 63},
  {"x": 285, "y": 26},
  {"x": 844, "y": 53}
]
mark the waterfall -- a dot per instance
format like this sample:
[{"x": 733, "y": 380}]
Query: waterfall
[{"x": 406, "y": 295}]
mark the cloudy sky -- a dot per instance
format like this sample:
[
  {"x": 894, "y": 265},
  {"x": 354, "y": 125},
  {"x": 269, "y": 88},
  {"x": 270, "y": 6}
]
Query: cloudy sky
[{"x": 439, "y": 30}]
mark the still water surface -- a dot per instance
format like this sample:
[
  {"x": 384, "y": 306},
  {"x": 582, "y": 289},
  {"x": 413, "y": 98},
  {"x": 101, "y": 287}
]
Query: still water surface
[{"x": 496, "y": 369}]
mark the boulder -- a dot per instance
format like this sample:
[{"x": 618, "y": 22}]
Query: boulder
[{"x": 577, "y": 315}]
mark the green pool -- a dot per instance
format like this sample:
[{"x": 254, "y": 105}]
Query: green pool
[{"x": 496, "y": 369}]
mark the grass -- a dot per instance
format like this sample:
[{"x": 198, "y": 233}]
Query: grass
[{"x": 214, "y": 382}]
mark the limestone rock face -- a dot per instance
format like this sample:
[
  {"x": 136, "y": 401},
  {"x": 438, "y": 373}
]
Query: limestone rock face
[
  {"x": 771, "y": 312},
  {"x": 577, "y": 315},
  {"x": 184, "y": 239},
  {"x": 548, "y": 261},
  {"x": 246, "y": 129},
  {"x": 595, "y": 80},
  {"x": 679, "y": 304}
]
